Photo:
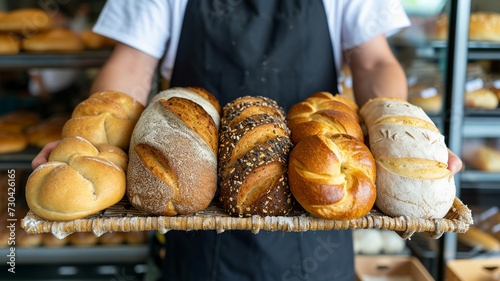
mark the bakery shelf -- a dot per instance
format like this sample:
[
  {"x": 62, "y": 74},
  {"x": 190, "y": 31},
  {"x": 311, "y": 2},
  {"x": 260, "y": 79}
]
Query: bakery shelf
[
  {"x": 437, "y": 49},
  {"x": 76, "y": 60},
  {"x": 94, "y": 254},
  {"x": 481, "y": 127},
  {"x": 18, "y": 160},
  {"x": 475, "y": 176}
]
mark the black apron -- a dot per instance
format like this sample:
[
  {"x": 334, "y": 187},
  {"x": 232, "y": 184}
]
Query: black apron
[{"x": 274, "y": 48}]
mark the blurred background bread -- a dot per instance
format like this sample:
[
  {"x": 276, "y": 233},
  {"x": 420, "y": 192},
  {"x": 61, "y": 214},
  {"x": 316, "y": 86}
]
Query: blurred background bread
[{"x": 59, "y": 40}]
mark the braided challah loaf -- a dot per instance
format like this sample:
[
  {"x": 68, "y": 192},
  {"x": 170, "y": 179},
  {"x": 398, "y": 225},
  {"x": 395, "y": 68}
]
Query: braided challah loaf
[
  {"x": 324, "y": 113},
  {"x": 411, "y": 158},
  {"x": 173, "y": 153},
  {"x": 254, "y": 146},
  {"x": 104, "y": 118},
  {"x": 331, "y": 172},
  {"x": 78, "y": 180}
]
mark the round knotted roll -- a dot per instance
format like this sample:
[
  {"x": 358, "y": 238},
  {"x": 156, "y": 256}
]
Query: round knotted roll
[
  {"x": 339, "y": 182},
  {"x": 78, "y": 180},
  {"x": 324, "y": 113},
  {"x": 105, "y": 118}
]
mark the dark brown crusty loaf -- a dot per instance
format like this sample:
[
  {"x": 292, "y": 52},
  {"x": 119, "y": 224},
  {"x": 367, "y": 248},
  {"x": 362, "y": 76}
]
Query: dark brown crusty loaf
[
  {"x": 173, "y": 153},
  {"x": 253, "y": 152},
  {"x": 331, "y": 172}
]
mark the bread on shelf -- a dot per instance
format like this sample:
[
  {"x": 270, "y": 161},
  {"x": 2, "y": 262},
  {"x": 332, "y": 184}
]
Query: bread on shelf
[
  {"x": 26, "y": 21},
  {"x": 59, "y": 40},
  {"x": 9, "y": 44}
]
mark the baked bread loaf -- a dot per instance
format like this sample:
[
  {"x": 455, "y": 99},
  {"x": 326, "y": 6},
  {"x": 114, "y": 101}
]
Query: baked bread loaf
[
  {"x": 323, "y": 113},
  {"x": 475, "y": 237},
  {"x": 18, "y": 121},
  {"x": 9, "y": 45},
  {"x": 173, "y": 153},
  {"x": 411, "y": 159},
  {"x": 333, "y": 176},
  {"x": 482, "y": 98},
  {"x": 331, "y": 172},
  {"x": 45, "y": 132},
  {"x": 78, "y": 180},
  {"x": 11, "y": 142},
  {"x": 54, "y": 41},
  {"x": 49, "y": 240},
  {"x": 430, "y": 103},
  {"x": 83, "y": 239},
  {"x": 26, "y": 21},
  {"x": 105, "y": 118},
  {"x": 253, "y": 153},
  {"x": 484, "y": 26},
  {"x": 96, "y": 41},
  {"x": 484, "y": 158}
]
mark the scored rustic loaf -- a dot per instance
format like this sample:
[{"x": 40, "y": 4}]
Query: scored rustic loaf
[
  {"x": 106, "y": 117},
  {"x": 331, "y": 172},
  {"x": 173, "y": 153},
  {"x": 253, "y": 152},
  {"x": 411, "y": 158},
  {"x": 78, "y": 180}
]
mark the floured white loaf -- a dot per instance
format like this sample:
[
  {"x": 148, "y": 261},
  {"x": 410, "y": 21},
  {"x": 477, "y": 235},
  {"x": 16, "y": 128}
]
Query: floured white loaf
[
  {"x": 173, "y": 153},
  {"x": 411, "y": 159}
]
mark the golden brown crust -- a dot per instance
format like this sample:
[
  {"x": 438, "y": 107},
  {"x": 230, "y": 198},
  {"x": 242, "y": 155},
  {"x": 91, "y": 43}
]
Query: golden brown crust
[
  {"x": 323, "y": 113},
  {"x": 484, "y": 26},
  {"x": 18, "y": 121},
  {"x": 208, "y": 96},
  {"x": 83, "y": 239},
  {"x": 54, "y": 41},
  {"x": 9, "y": 45},
  {"x": 196, "y": 118},
  {"x": 76, "y": 181},
  {"x": 26, "y": 21},
  {"x": 339, "y": 182},
  {"x": 107, "y": 117},
  {"x": 482, "y": 98},
  {"x": 11, "y": 142},
  {"x": 96, "y": 41}
]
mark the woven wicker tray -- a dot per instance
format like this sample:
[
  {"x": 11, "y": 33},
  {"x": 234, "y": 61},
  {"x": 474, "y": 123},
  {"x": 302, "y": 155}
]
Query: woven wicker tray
[{"x": 123, "y": 217}]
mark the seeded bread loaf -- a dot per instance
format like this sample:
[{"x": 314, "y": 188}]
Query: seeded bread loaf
[
  {"x": 173, "y": 153},
  {"x": 411, "y": 159},
  {"x": 253, "y": 152}
]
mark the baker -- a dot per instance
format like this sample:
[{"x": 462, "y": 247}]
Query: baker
[{"x": 285, "y": 50}]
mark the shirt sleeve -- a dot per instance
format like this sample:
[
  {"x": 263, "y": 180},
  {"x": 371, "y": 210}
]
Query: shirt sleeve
[
  {"x": 363, "y": 20},
  {"x": 144, "y": 25}
]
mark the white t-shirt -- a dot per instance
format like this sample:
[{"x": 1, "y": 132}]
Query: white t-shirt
[{"x": 154, "y": 26}]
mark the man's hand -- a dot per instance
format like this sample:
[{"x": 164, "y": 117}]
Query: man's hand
[
  {"x": 43, "y": 155},
  {"x": 454, "y": 163}
]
